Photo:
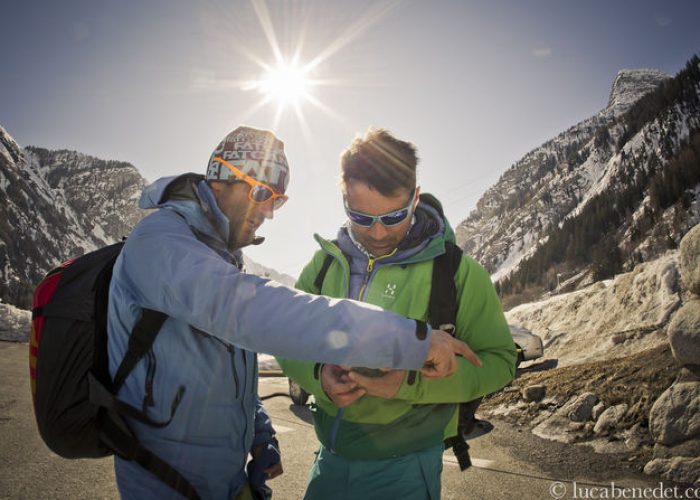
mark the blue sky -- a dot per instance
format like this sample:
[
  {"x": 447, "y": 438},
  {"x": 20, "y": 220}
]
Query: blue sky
[{"x": 474, "y": 84}]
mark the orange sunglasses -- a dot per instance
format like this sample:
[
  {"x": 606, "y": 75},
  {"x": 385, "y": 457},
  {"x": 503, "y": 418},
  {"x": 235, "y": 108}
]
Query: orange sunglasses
[{"x": 259, "y": 192}]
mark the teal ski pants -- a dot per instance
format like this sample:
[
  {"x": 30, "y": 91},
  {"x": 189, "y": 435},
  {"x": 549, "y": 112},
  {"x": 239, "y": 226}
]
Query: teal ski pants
[{"x": 415, "y": 476}]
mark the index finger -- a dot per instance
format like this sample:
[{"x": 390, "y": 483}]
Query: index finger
[
  {"x": 342, "y": 387},
  {"x": 463, "y": 350},
  {"x": 361, "y": 380}
]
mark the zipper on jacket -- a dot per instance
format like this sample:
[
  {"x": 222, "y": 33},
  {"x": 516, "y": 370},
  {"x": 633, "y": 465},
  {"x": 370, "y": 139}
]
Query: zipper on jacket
[
  {"x": 368, "y": 273},
  {"x": 245, "y": 382},
  {"x": 231, "y": 349},
  {"x": 233, "y": 369}
]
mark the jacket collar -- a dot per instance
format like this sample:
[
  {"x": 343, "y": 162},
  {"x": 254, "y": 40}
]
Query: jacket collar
[{"x": 191, "y": 197}]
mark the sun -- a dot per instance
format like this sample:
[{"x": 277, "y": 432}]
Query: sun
[
  {"x": 287, "y": 83},
  {"x": 291, "y": 83}
]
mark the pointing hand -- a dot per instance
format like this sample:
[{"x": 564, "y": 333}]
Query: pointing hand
[{"x": 441, "y": 360}]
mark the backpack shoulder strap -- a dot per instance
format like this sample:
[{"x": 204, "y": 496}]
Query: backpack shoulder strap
[
  {"x": 149, "y": 324},
  {"x": 318, "y": 282},
  {"x": 442, "y": 305},
  {"x": 327, "y": 261},
  {"x": 140, "y": 342},
  {"x": 115, "y": 433}
]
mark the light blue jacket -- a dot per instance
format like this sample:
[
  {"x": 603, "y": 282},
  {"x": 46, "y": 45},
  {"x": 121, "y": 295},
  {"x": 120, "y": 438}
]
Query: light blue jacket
[{"x": 218, "y": 318}]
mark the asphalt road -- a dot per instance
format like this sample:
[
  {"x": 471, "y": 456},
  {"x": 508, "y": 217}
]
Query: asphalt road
[{"x": 508, "y": 462}]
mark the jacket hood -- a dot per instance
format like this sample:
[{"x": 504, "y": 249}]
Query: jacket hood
[
  {"x": 433, "y": 208},
  {"x": 191, "y": 197}
]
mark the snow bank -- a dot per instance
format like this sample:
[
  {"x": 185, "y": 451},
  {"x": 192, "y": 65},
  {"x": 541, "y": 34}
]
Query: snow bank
[
  {"x": 14, "y": 323},
  {"x": 608, "y": 319}
]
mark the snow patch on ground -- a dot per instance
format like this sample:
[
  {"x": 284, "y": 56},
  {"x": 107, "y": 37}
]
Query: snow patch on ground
[
  {"x": 14, "y": 323},
  {"x": 608, "y": 319}
]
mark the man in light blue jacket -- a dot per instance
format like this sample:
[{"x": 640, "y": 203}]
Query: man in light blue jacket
[{"x": 184, "y": 260}]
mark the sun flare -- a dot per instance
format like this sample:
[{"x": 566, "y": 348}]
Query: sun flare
[
  {"x": 286, "y": 83},
  {"x": 288, "y": 80}
]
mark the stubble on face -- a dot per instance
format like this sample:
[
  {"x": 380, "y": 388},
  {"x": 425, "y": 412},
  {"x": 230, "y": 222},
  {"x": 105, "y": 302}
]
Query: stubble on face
[
  {"x": 379, "y": 240},
  {"x": 244, "y": 216}
]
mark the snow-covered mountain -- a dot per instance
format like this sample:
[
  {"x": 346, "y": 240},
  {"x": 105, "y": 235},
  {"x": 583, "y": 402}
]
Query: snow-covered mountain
[
  {"x": 631, "y": 84},
  {"x": 57, "y": 204},
  {"x": 60, "y": 204},
  {"x": 602, "y": 196}
]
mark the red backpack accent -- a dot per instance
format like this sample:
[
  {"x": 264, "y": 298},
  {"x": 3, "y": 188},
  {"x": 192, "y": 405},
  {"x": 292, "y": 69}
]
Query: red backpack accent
[
  {"x": 75, "y": 404},
  {"x": 42, "y": 296}
]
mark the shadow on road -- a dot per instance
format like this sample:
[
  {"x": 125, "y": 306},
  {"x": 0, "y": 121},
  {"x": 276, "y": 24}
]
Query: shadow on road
[
  {"x": 481, "y": 428},
  {"x": 302, "y": 412},
  {"x": 547, "y": 364}
]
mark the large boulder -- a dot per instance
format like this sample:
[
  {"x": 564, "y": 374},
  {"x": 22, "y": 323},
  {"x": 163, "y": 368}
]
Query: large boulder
[
  {"x": 559, "y": 426},
  {"x": 636, "y": 437},
  {"x": 689, "y": 448},
  {"x": 610, "y": 418},
  {"x": 690, "y": 260},
  {"x": 683, "y": 470},
  {"x": 684, "y": 333},
  {"x": 675, "y": 416},
  {"x": 534, "y": 393},
  {"x": 598, "y": 410},
  {"x": 580, "y": 409}
]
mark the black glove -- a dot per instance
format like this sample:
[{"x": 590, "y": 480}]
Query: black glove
[{"x": 267, "y": 456}]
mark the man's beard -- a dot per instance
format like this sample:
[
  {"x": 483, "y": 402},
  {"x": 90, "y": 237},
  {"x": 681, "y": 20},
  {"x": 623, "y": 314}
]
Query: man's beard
[{"x": 236, "y": 241}]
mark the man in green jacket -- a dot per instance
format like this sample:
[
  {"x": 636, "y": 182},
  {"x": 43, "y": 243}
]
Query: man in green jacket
[{"x": 382, "y": 436}]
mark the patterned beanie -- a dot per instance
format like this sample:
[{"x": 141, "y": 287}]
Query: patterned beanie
[{"x": 257, "y": 153}]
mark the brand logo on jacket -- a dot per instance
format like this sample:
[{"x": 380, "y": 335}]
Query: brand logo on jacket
[{"x": 390, "y": 290}]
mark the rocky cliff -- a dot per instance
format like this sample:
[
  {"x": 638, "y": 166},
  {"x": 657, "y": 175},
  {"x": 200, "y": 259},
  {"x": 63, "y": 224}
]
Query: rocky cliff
[{"x": 616, "y": 189}]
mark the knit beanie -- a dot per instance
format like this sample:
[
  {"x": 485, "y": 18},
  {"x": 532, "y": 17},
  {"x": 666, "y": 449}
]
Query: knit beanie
[{"x": 257, "y": 153}]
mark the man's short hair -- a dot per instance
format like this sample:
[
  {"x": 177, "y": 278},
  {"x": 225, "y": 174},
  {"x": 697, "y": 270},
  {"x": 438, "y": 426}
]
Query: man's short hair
[{"x": 381, "y": 161}]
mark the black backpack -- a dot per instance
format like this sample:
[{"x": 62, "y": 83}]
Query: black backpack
[
  {"x": 76, "y": 410},
  {"x": 442, "y": 312}
]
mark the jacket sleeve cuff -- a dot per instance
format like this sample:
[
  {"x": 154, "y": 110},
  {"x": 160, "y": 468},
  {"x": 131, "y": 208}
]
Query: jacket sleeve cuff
[
  {"x": 415, "y": 357},
  {"x": 422, "y": 329}
]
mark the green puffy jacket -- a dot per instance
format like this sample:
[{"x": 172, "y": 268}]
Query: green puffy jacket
[{"x": 421, "y": 414}]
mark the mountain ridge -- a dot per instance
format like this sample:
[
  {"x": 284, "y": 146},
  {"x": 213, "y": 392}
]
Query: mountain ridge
[
  {"x": 629, "y": 85},
  {"x": 623, "y": 147},
  {"x": 61, "y": 204}
]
